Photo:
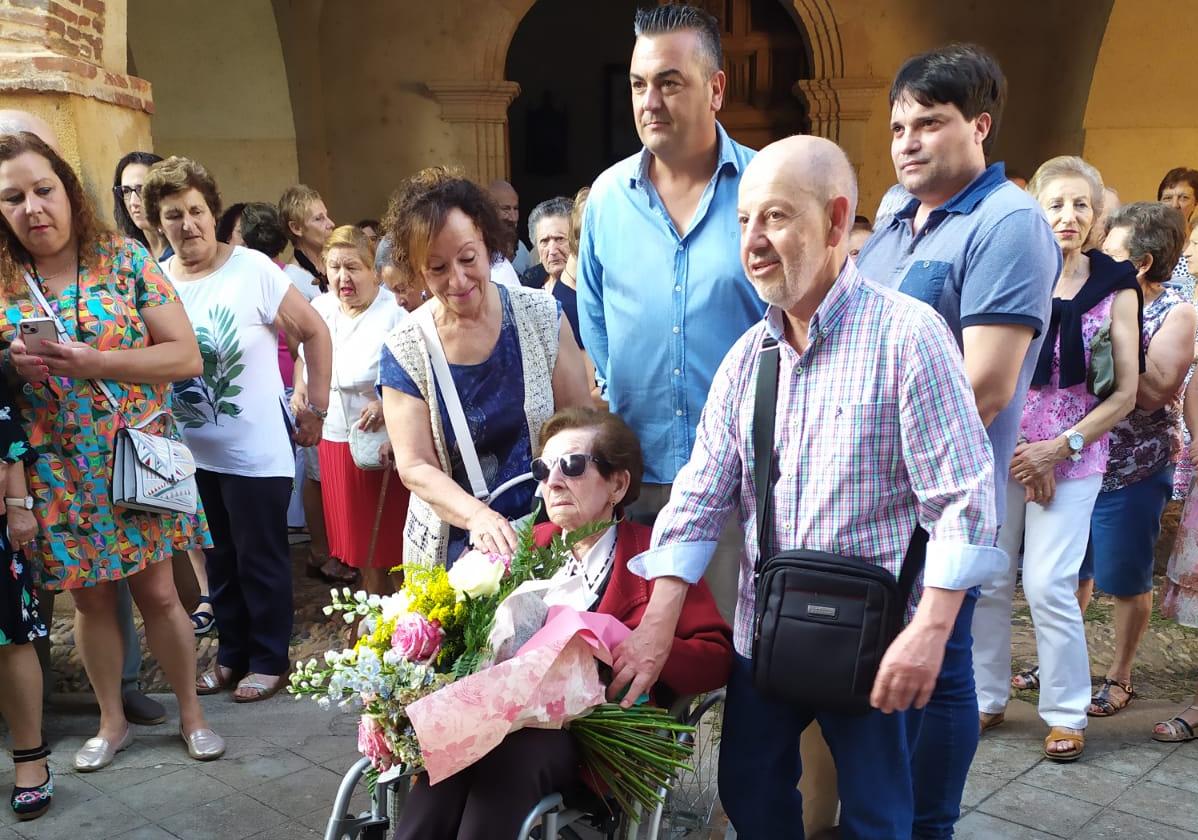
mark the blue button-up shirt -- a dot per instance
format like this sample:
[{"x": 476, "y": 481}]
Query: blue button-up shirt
[{"x": 659, "y": 310}]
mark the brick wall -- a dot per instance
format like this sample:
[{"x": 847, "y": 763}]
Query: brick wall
[{"x": 71, "y": 28}]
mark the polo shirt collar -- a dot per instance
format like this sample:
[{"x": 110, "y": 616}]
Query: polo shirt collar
[
  {"x": 966, "y": 201},
  {"x": 727, "y": 158},
  {"x": 830, "y": 310}
]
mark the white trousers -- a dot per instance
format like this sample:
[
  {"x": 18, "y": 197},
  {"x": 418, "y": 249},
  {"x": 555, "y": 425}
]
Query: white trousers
[{"x": 1054, "y": 543}]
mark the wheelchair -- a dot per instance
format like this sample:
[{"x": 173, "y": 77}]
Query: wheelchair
[{"x": 687, "y": 807}]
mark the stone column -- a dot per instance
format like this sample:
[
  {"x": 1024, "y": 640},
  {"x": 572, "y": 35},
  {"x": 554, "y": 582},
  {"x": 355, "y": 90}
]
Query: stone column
[
  {"x": 64, "y": 60},
  {"x": 477, "y": 113}
]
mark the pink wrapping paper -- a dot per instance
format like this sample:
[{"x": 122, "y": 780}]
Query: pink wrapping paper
[{"x": 550, "y": 681}]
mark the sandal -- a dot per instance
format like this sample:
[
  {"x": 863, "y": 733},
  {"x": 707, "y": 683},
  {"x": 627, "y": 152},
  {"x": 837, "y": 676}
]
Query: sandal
[
  {"x": 1101, "y": 704},
  {"x": 257, "y": 684},
  {"x": 989, "y": 720},
  {"x": 1029, "y": 680},
  {"x": 1179, "y": 729},
  {"x": 29, "y": 803},
  {"x": 336, "y": 572},
  {"x": 1060, "y": 733},
  {"x": 203, "y": 621},
  {"x": 215, "y": 681}
]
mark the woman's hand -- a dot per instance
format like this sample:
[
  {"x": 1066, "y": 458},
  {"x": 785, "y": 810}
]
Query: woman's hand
[
  {"x": 299, "y": 400},
  {"x": 387, "y": 455},
  {"x": 1193, "y": 451},
  {"x": 307, "y": 427},
  {"x": 1033, "y": 461},
  {"x": 73, "y": 359},
  {"x": 1042, "y": 489},
  {"x": 30, "y": 368},
  {"x": 491, "y": 532},
  {"x": 371, "y": 419},
  {"x": 22, "y": 527}
]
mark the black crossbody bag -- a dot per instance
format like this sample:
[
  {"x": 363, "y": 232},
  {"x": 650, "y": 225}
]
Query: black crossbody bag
[{"x": 822, "y": 621}]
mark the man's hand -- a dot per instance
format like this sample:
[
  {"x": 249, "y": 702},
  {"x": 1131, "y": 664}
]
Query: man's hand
[
  {"x": 909, "y": 669},
  {"x": 639, "y": 658}
]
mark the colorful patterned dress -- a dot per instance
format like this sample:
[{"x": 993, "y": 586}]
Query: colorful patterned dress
[
  {"x": 82, "y": 539},
  {"x": 20, "y": 621}
]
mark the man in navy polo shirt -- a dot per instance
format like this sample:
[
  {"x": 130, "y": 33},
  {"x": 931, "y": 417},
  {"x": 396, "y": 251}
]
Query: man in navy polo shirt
[{"x": 977, "y": 249}]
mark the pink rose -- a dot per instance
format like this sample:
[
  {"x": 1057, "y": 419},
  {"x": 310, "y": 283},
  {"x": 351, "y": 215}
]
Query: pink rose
[
  {"x": 372, "y": 743},
  {"x": 416, "y": 638}
]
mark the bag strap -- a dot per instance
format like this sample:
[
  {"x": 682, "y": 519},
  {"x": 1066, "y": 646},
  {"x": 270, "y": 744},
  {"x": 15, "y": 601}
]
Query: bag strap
[
  {"x": 35, "y": 289},
  {"x": 764, "y": 410},
  {"x": 453, "y": 404},
  {"x": 765, "y": 404}
]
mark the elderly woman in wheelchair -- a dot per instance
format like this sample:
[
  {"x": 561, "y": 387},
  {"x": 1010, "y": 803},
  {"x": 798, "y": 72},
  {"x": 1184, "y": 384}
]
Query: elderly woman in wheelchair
[{"x": 589, "y": 468}]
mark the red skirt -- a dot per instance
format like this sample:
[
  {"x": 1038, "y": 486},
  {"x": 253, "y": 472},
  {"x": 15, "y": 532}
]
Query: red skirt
[{"x": 351, "y": 503}]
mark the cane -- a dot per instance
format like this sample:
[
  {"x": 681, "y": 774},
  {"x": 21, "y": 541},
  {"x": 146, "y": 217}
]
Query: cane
[{"x": 378, "y": 518}]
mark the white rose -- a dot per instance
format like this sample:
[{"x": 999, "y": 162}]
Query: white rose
[
  {"x": 475, "y": 575},
  {"x": 393, "y": 606}
]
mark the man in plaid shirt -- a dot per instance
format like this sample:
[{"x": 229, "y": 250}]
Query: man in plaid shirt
[{"x": 876, "y": 431}]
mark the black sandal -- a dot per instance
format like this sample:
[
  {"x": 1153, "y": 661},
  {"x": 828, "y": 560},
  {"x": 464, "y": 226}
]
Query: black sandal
[
  {"x": 1030, "y": 678},
  {"x": 1101, "y": 704},
  {"x": 29, "y": 803},
  {"x": 203, "y": 621}
]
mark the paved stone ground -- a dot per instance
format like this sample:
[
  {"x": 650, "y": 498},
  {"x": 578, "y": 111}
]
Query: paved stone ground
[{"x": 286, "y": 757}]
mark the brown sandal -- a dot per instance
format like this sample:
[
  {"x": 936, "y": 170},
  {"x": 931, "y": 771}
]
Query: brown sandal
[
  {"x": 989, "y": 720},
  {"x": 1060, "y": 733},
  {"x": 1179, "y": 730},
  {"x": 1101, "y": 704}
]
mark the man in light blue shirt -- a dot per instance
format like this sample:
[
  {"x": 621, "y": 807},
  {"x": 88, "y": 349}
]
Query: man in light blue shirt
[{"x": 662, "y": 295}]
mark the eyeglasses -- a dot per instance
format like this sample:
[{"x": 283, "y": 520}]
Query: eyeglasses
[
  {"x": 125, "y": 191},
  {"x": 572, "y": 465}
]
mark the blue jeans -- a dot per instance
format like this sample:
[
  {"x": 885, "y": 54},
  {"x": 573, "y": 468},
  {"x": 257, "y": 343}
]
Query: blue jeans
[
  {"x": 760, "y": 765},
  {"x": 947, "y": 737}
]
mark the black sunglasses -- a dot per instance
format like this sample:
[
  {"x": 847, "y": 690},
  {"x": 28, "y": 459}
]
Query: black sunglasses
[{"x": 572, "y": 465}]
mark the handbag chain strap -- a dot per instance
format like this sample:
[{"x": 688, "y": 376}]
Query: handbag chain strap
[
  {"x": 764, "y": 410},
  {"x": 114, "y": 404}
]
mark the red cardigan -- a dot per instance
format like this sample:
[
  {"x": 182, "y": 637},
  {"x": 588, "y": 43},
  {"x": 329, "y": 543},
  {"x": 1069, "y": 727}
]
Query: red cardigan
[{"x": 701, "y": 657}]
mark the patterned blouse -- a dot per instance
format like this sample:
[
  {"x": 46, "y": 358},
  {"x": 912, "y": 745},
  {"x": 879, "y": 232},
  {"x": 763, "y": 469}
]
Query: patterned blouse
[
  {"x": 1145, "y": 441},
  {"x": 82, "y": 539},
  {"x": 1050, "y": 411}
]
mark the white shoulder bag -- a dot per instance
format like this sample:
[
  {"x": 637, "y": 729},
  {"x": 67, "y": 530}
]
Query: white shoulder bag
[{"x": 149, "y": 472}]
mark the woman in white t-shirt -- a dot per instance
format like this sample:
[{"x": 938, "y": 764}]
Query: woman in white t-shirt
[
  {"x": 364, "y": 513},
  {"x": 235, "y": 421}
]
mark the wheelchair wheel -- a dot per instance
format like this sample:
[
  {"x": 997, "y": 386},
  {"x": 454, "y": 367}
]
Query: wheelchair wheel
[{"x": 690, "y": 804}]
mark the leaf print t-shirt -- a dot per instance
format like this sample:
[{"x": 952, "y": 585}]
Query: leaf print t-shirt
[{"x": 233, "y": 416}]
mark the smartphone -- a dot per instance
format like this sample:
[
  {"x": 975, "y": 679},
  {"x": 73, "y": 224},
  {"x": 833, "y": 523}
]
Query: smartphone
[{"x": 36, "y": 332}]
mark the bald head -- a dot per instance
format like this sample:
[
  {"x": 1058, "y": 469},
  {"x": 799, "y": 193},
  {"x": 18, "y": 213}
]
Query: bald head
[
  {"x": 796, "y": 204},
  {"x": 807, "y": 163},
  {"x": 14, "y": 122},
  {"x": 509, "y": 210}
]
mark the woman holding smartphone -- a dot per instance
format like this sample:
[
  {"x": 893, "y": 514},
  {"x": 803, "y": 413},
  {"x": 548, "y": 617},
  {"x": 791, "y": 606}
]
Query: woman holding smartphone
[{"x": 118, "y": 320}]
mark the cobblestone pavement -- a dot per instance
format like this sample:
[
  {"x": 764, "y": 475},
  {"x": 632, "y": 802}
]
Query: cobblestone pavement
[{"x": 286, "y": 757}]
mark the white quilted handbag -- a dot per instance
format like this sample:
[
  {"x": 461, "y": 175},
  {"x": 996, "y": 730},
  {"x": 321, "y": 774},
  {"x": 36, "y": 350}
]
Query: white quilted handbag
[
  {"x": 152, "y": 473},
  {"x": 364, "y": 447}
]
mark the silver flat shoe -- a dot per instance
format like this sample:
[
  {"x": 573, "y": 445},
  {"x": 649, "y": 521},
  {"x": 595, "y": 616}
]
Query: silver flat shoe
[
  {"x": 98, "y": 753},
  {"x": 203, "y": 744}
]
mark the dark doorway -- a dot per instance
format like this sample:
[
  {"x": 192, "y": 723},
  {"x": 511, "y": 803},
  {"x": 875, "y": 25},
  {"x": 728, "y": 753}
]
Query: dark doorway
[{"x": 573, "y": 117}]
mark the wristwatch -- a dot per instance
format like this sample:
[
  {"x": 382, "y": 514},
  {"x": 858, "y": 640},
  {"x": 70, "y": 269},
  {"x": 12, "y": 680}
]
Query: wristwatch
[
  {"x": 321, "y": 413},
  {"x": 1076, "y": 442},
  {"x": 26, "y": 503}
]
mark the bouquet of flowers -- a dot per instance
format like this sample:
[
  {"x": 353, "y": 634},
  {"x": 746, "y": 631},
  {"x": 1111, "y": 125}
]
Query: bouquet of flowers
[{"x": 431, "y": 696}]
